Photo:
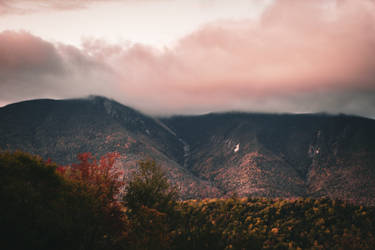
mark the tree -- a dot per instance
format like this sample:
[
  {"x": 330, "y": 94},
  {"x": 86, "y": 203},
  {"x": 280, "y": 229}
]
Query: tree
[
  {"x": 102, "y": 181},
  {"x": 42, "y": 208},
  {"x": 150, "y": 188},
  {"x": 102, "y": 178},
  {"x": 150, "y": 202},
  {"x": 29, "y": 192}
]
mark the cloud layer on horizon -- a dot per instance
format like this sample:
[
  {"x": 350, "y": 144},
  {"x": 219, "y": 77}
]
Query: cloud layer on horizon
[{"x": 300, "y": 56}]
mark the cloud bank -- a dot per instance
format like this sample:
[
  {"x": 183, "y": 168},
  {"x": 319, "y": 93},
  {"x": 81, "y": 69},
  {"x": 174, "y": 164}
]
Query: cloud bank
[{"x": 300, "y": 56}]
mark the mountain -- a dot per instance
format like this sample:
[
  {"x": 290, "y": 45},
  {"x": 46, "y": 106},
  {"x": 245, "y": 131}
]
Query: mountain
[
  {"x": 61, "y": 129},
  {"x": 283, "y": 155},
  {"x": 210, "y": 155}
]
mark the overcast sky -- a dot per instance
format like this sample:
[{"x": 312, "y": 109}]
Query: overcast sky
[{"x": 193, "y": 56}]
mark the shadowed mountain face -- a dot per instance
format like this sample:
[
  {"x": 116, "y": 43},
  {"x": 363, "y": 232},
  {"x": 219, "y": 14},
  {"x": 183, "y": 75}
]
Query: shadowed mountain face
[
  {"x": 210, "y": 155},
  {"x": 283, "y": 155}
]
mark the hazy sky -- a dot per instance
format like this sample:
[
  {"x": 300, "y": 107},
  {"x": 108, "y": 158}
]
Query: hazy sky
[{"x": 193, "y": 56}]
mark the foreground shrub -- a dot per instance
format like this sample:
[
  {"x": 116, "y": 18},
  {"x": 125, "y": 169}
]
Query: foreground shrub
[{"x": 43, "y": 209}]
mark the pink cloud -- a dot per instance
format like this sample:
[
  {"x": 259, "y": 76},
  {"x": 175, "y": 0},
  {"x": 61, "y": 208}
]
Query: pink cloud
[
  {"x": 22, "y": 7},
  {"x": 300, "y": 56},
  {"x": 297, "y": 49},
  {"x": 30, "y": 6},
  {"x": 22, "y": 52}
]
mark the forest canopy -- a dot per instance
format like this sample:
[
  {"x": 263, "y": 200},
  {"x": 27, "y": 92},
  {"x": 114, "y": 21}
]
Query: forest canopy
[{"x": 84, "y": 206}]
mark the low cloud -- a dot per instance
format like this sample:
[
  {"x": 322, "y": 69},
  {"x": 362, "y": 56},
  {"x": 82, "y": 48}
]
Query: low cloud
[
  {"x": 32, "y": 68},
  {"x": 300, "y": 56}
]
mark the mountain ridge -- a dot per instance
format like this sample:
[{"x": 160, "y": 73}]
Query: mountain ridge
[{"x": 212, "y": 155}]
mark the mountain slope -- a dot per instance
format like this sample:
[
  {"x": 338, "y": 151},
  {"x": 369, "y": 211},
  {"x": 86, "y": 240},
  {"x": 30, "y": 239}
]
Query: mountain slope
[
  {"x": 283, "y": 155},
  {"x": 62, "y": 129},
  {"x": 210, "y": 155}
]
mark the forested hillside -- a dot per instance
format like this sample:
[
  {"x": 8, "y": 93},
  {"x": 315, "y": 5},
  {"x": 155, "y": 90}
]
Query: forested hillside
[{"x": 83, "y": 206}]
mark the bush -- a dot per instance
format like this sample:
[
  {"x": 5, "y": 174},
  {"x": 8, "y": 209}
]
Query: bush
[{"x": 42, "y": 209}]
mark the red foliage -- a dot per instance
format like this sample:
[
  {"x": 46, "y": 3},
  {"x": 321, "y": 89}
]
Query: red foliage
[
  {"x": 61, "y": 170},
  {"x": 101, "y": 176},
  {"x": 102, "y": 181}
]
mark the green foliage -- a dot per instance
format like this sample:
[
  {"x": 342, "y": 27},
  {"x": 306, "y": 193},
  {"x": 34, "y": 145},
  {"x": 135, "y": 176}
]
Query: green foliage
[
  {"x": 77, "y": 208},
  {"x": 150, "y": 202},
  {"x": 275, "y": 224},
  {"x": 149, "y": 187},
  {"x": 43, "y": 209}
]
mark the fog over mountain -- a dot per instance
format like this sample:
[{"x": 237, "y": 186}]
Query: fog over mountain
[{"x": 283, "y": 56}]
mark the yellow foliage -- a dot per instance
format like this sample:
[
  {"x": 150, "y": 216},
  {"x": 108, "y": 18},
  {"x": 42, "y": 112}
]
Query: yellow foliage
[{"x": 320, "y": 222}]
